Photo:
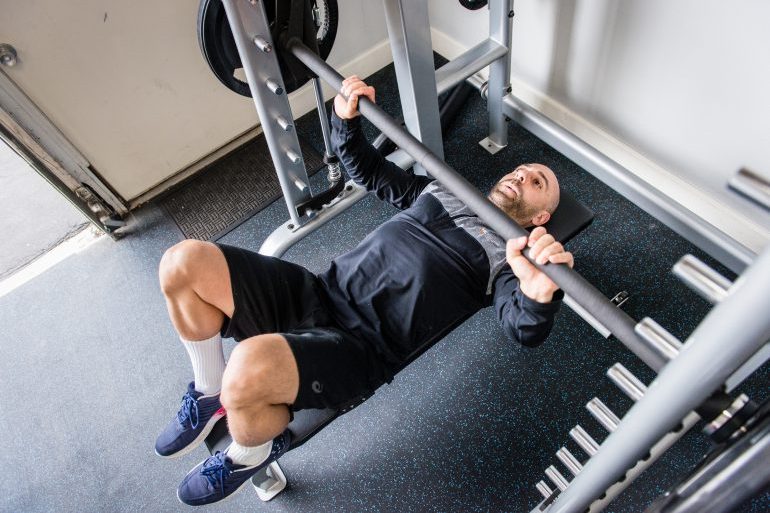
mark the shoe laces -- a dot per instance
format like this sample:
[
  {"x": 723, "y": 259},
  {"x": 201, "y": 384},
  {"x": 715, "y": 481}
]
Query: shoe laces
[
  {"x": 216, "y": 470},
  {"x": 188, "y": 410}
]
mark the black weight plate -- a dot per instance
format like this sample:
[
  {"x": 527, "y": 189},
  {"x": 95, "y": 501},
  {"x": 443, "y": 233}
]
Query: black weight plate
[
  {"x": 218, "y": 46},
  {"x": 473, "y": 4}
]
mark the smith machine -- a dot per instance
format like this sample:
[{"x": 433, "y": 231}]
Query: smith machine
[{"x": 281, "y": 45}]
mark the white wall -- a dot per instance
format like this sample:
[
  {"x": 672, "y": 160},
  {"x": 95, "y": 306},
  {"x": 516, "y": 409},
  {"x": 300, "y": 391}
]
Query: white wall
[
  {"x": 127, "y": 85},
  {"x": 685, "y": 82},
  {"x": 682, "y": 82}
]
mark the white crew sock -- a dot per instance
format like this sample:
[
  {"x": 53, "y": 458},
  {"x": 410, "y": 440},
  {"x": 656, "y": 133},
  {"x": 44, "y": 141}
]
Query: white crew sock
[
  {"x": 249, "y": 456},
  {"x": 208, "y": 361}
]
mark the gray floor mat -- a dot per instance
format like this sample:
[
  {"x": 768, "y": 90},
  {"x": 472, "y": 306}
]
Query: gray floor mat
[{"x": 230, "y": 191}]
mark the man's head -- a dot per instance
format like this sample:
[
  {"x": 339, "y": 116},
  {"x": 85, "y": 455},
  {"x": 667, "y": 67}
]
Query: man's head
[{"x": 529, "y": 195}]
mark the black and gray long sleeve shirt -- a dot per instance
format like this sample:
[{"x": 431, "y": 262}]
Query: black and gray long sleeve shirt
[{"x": 427, "y": 269}]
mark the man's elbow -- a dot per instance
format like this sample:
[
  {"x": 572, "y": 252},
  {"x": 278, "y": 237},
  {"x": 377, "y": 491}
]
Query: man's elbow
[{"x": 527, "y": 338}]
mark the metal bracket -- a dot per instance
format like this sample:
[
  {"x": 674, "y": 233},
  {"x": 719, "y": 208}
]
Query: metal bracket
[
  {"x": 491, "y": 146},
  {"x": 701, "y": 278},
  {"x": 269, "y": 482},
  {"x": 107, "y": 216},
  {"x": 317, "y": 202},
  {"x": 286, "y": 235},
  {"x": 752, "y": 185},
  {"x": 8, "y": 55},
  {"x": 620, "y": 298}
]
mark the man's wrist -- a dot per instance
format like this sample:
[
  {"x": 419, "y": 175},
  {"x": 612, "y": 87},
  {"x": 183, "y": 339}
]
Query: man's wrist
[
  {"x": 541, "y": 298},
  {"x": 345, "y": 120},
  {"x": 537, "y": 296}
]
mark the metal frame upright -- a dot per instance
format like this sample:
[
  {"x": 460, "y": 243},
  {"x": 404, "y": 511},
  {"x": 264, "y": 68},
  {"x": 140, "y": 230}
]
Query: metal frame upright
[
  {"x": 499, "y": 85},
  {"x": 412, "y": 53},
  {"x": 419, "y": 86},
  {"x": 730, "y": 334}
]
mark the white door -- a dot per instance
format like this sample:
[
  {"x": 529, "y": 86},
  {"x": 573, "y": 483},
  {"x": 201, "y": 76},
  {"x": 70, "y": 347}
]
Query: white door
[{"x": 125, "y": 83}]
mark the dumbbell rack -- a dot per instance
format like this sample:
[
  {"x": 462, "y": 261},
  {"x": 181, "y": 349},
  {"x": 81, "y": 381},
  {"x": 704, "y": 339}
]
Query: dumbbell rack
[
  {"x": 635, "y": 390},
  {"x": 661, "y": 407}
]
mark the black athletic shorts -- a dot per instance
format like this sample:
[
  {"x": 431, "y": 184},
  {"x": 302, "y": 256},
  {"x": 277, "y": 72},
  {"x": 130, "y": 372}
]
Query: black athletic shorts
[{"x": 273, "y": 296}]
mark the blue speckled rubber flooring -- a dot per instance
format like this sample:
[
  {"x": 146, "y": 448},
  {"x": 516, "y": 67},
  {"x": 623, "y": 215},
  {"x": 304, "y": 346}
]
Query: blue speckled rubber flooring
[
  {"x": 472, "y": 424},
  {"x": 91, "y": 370}
]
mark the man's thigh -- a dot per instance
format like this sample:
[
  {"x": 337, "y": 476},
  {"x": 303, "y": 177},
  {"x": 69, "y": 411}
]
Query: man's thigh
[
  {"x": 335, "y": 368},
  {"x": 269, "y": 295}
]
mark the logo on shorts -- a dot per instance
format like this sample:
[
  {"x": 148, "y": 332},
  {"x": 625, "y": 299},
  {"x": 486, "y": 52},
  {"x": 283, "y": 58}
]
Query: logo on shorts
[{"x": 317, "y": 387}]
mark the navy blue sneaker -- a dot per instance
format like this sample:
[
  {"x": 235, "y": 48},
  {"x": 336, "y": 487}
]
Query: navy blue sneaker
[
  {"x": 218, "y": 477},
  {"x": 194, "y": 421}
]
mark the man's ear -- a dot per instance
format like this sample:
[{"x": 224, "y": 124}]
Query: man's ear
[{"x": 541, "y": 218}]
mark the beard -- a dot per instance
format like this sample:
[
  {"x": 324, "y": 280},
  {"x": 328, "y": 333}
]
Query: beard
[{"x": 515, "y": 208}]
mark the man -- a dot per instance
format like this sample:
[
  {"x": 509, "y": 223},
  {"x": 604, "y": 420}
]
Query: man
[{"x": 311, "y": 341}]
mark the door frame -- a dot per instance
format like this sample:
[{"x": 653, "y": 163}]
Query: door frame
[{"x": 27, "y": 130}]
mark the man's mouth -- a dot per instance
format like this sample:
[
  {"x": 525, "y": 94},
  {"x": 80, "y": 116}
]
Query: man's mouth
[{"x": 508, "y": 191}]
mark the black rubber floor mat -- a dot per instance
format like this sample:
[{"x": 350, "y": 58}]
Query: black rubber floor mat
[{"x": 229, "y": 191}]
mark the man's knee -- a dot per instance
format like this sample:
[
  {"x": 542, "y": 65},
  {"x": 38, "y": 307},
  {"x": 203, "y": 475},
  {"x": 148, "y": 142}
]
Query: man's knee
[
  {"x": 180, "y": 263},
  {"x": 258, "y": 373}
]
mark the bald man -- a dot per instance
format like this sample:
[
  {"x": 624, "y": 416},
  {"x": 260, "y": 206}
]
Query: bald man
[{"x": 324, "y": 341}]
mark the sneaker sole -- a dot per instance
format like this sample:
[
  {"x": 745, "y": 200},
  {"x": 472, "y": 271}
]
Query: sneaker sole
[
  {"x": 220, "y": 501},
  {"x": 198, "y": 440}
]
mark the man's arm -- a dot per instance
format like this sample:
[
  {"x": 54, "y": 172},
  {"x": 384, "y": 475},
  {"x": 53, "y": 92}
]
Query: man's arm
[
  {"x": 523, "y": 320},
  {"x": 525, "y": 299},
  {"x": 365, "y": 165}
]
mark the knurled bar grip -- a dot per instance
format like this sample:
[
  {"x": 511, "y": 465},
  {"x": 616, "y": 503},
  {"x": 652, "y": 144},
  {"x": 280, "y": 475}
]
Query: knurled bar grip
[{"x": 586, "y": 295}]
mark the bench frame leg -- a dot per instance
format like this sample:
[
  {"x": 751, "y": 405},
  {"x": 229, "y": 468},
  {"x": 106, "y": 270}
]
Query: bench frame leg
[{"x": 269, "y": 482}]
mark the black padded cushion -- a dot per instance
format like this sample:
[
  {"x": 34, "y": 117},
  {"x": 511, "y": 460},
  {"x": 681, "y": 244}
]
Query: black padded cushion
[
  {"x": 571, "y": 217},
  {"x": 307, "y": 423}
]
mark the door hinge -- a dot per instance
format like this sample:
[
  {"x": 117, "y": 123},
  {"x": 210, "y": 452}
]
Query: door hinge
[{"x": 110, "y": 220}]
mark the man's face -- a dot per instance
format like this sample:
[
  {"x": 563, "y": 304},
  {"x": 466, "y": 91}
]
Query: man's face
[{"x": 528, "y": 195}]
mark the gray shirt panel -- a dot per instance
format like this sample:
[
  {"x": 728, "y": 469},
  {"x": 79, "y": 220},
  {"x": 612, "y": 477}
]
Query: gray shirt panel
[{"x": 464, "y": 218}]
